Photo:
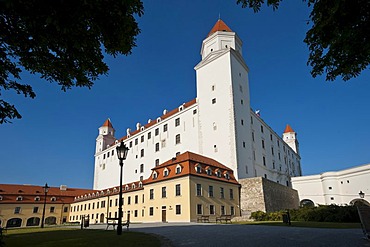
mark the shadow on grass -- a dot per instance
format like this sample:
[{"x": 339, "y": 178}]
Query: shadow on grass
[{"x": 57, "y": 237}]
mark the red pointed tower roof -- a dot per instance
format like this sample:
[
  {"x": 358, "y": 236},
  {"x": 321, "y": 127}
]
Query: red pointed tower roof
[
  {"x": 219, "y": 26},
  {"x": 288, "y": 129},
  {"x": 107, "y": 123}
]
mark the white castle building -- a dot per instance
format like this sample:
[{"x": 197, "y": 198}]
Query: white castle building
[{"x": 219, "y": 123}]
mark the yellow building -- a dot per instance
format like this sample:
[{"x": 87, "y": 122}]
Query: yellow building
[
  {"x": 179, "y": 190},
  {"x": 22, "y": 205}
]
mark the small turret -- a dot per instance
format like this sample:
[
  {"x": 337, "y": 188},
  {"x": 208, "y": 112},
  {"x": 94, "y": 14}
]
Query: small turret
[
  {"x": 106, "y": 136},
  {"x": 290, "y": 138}
]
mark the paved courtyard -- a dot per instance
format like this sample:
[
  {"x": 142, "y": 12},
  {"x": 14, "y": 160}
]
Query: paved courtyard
[{"x": 191, "y": 234}]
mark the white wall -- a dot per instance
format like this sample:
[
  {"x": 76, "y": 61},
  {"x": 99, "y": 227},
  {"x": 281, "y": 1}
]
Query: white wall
[{"x": 340, "y": 187}]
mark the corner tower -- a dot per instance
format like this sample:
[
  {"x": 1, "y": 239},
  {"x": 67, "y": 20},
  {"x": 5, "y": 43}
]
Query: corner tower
[
  {"x": 105, "y": 137},
  {"x": 290, "y": 138},
  {"x": 223, "y": 100}
]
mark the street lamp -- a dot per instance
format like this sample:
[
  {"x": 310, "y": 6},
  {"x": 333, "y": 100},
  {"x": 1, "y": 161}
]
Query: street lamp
[
  {"x": 122, "y": 151},
  {"x": 362, "y": 194},
  {"x": 46, "y": 189}
]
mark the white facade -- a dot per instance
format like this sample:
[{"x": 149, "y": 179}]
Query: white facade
[
  {"x": 340, "y": 187},
  {"x": 218, "y": 124}
]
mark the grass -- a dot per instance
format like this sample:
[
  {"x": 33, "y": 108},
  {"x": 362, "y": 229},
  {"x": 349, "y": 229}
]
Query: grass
[
  {"x": 309, "y": 224},
  {"x": 61, "y": 237}
]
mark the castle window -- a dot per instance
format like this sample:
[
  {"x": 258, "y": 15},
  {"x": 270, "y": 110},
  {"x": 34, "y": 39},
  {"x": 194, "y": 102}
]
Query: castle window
[
  {"x": 103, "y": 156},
  {"x": 231, "y": 194},
  {"x": 251, "y": 120},
  {"x": 151, "y": 194},
  {"x": 157, "y": 162},
  {"x": 156, "y": 132},
  {"x": 112, "y": 152},
  {"x": 243, "y": 144},
  {"x": 240, "y": 87},
  {"x": 17, "y": 210},
  {"x": 178, "y": 209},
  {"x": 252, "y": 136},
  {"x": 199, "y": 190},
  {"x": 246, "y": 169},
  {"x": 149, "y": 135},
  {"x": 136, "y": 200},
  {"x": 178, "y": 190},
  {"x": 130, "y": 144},
  {"x": 142, "y": 153},
  {"x": 213, "y": 87},
  {"x": 108, "y": 154},
  {"x": 177, "y": 141},
  {"x": 272, "y": 150},
  {"x": 194, "y": 111},
  {"x": 165, "y": 172},
  {"x": 177, "y": 122},
  {"x": 136, "y": 141},
  {"x": 214, "y": 101},
  {"x": 157, "y": 147},
  {"x": 164, "y": 192},
  {"x": 210, "y": 191},
  {"x": 165, "y": 128},
  {"x": 142, "y": 138},
  {"x": 265, "y": 176},
  {"x": 241, "y": 101},
  {"x": 178, "y": 169},
  {"x": 141, "y": 168},
  {"x": 262, "y": 128},
  {"x": 271, "y": 137},
  {"x": 242, "y": 122},
  {"x": 273, "y": 164},
  {"x": 198, "y": 168},
  {"x": 264, "y": 160},
  {"x": 222, "y": 194},
  {"x": 215, "y": 148},
  {"x": 263, "y": 144}
]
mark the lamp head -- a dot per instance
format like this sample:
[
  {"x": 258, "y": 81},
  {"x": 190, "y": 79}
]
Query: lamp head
[{"x": 122, "y": 151}]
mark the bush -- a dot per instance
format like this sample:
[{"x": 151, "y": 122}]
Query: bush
[{"x": 322, "y": 213}]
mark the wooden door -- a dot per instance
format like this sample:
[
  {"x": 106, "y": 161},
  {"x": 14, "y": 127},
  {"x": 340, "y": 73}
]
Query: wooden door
[{"x": 164, "y": 215}]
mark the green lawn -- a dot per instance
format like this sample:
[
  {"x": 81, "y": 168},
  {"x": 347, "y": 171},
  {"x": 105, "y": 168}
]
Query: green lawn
[
  {"x": 310, "y": 224},
  {"x": 62, "y": 237}
]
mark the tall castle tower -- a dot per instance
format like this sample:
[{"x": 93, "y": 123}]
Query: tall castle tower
[
  {"x": 223, "y": 99},
  {"x": 290, "y": 138},
  {"x": 105, "y": 137}
]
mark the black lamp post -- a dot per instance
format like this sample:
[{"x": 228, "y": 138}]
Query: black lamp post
[
  {"x": 46, "y": 189},
  {"x": 122, "y": 151},
  {"x": 361, "y": 194}
]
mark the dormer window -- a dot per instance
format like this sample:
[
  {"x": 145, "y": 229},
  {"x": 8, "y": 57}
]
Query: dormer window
[
  {"x": 1, "y": 198},
  {"x": 133, "y": 186},
  {"x": 37, "y": 198},
  {"x": 209, "y": 172},
  {"x": 140, "y": 185},
  {"x": 126, "y": 187},
  {"x": 155, "y": 175},
  {"x": 227, "y": 176},
  {"x": 218, "y": 173},
  {"x": 198, "y": 168},
  {"x": 178, "y": 169},
  {"x": 19, "y": 198},
  {"x": 165, "y": 172}
]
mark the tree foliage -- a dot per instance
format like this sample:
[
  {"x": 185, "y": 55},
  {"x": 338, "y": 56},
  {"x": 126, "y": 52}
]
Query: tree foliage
[
  {"x": 339, "y": 37},
  {"x": 62, "y": 41}
]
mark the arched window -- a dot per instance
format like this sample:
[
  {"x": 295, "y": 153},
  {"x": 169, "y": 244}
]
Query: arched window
[
  {"x": 307, "y": 203},
  {"x": 165, "y": 172},
  {"x": 53, "y": 199},
  {"x": 359, "y": 202},
  {"x": 19, "y": 198},
  {"x": 14, "y": 222},
  {"x": 178, "y": 169},
  {"x": 198, "y": 168},
  {"x": 155, "y": 175},
  {"x": 34, "y": 221},
  {"x": 37, "y": 198}
]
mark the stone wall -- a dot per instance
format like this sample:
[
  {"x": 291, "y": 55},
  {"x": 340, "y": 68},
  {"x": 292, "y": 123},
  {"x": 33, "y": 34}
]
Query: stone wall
[{"x": 265, "y": 195}]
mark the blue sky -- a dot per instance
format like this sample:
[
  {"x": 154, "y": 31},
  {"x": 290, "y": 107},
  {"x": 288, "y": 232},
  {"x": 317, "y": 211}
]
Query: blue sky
[{"x": 55, "y": 140}]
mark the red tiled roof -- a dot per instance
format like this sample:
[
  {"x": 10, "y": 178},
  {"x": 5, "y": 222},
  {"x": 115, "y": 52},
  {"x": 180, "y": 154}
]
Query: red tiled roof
[
  {"x": 10, "y": 192},
  {"x": 188, "y": 161},
  {"x": 219, "y": 26},
  {"x": 288, "y": 129},
  {"x": 107, "y": 123}
]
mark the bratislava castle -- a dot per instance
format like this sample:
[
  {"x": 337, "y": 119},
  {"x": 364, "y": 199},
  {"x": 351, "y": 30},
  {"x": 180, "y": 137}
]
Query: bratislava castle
[{"x": 219, "y": 123}]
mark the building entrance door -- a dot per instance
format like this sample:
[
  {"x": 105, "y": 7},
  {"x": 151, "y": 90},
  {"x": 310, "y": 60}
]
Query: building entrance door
[{"x": 164, "y": 214}]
